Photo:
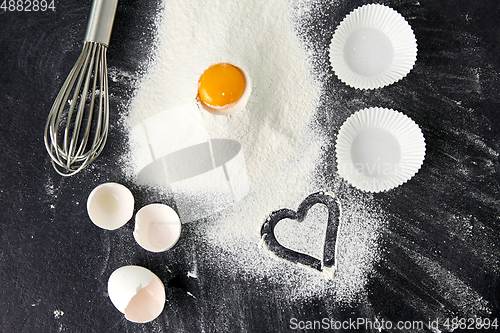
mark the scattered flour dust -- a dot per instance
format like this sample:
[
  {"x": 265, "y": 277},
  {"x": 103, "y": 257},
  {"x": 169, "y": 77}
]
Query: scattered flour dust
[
  {"x": 58, "y": 314},
  {"x": 236, "y": 241},
  {"x": 289, "y": 233},
  {"x": 281, "y": 149}
]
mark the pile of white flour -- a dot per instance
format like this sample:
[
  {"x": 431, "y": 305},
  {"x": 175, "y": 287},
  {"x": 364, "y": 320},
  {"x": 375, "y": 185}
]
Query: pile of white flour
[
  {"x": 191, "y": 37},
  {"x": 280, "y": 147}
]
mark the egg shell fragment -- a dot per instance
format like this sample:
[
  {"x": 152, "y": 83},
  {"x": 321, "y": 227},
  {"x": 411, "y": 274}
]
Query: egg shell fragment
[
  {"x": 136, "y": 292},
  {"x": 157, "y": 227},
  {"x": 110, "y": 205}
]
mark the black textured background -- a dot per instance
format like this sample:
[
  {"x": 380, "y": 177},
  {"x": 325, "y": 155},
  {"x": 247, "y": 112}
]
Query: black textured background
[{"x": 448, "y": 216}]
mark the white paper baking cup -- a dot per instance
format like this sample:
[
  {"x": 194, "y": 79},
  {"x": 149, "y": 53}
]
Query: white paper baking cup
[
  {"x": 379, "y": 149},
  {"x": 373, "y": 47}
]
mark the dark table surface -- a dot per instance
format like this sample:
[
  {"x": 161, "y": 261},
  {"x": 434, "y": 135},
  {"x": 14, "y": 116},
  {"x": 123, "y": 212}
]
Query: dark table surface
[{"x": 54, "y": 263}]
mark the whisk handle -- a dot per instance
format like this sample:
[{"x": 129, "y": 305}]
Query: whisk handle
[{"x": 100, "y": 22}]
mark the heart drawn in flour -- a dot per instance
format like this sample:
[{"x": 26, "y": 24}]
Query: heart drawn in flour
[{"x": 329, "y": 245}]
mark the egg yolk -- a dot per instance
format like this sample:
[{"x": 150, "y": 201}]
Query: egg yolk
[{"x": 221, "y": 85}]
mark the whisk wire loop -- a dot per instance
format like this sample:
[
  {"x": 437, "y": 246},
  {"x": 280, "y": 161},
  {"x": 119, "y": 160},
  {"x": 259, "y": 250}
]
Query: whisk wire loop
[
  {"x": 89, "y": 64},
  {"x": 85, "y": 115},
  {"x": 68, "y": 148},
  {"x": 77, "y": 129}
]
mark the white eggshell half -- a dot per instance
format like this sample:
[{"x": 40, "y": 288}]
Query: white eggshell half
[
  {"x": 110, "y": 205},
  {"x": 136, "y": 292},
  {"x": 157, "y": 227}
]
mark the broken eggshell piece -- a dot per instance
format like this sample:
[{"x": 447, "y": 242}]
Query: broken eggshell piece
[
  {"x": 110, "y": 205},
  {"x": 157, "y": 227},
  {"x": 136, "y": 292}
]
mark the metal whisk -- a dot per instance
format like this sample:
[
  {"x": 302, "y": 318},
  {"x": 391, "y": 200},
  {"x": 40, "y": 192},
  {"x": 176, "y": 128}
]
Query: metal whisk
[{"x": 77, "y": 128}]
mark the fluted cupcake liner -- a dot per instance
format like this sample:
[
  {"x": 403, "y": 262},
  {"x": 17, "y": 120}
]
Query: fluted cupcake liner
[
  {"x": 373, "y": 47},
  {"x": 378, "y": 149}
]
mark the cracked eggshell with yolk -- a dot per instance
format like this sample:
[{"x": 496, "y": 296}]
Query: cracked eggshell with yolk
[
  {"x": 224, "y": 89},
  {"x": 136, "y": 292}
]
